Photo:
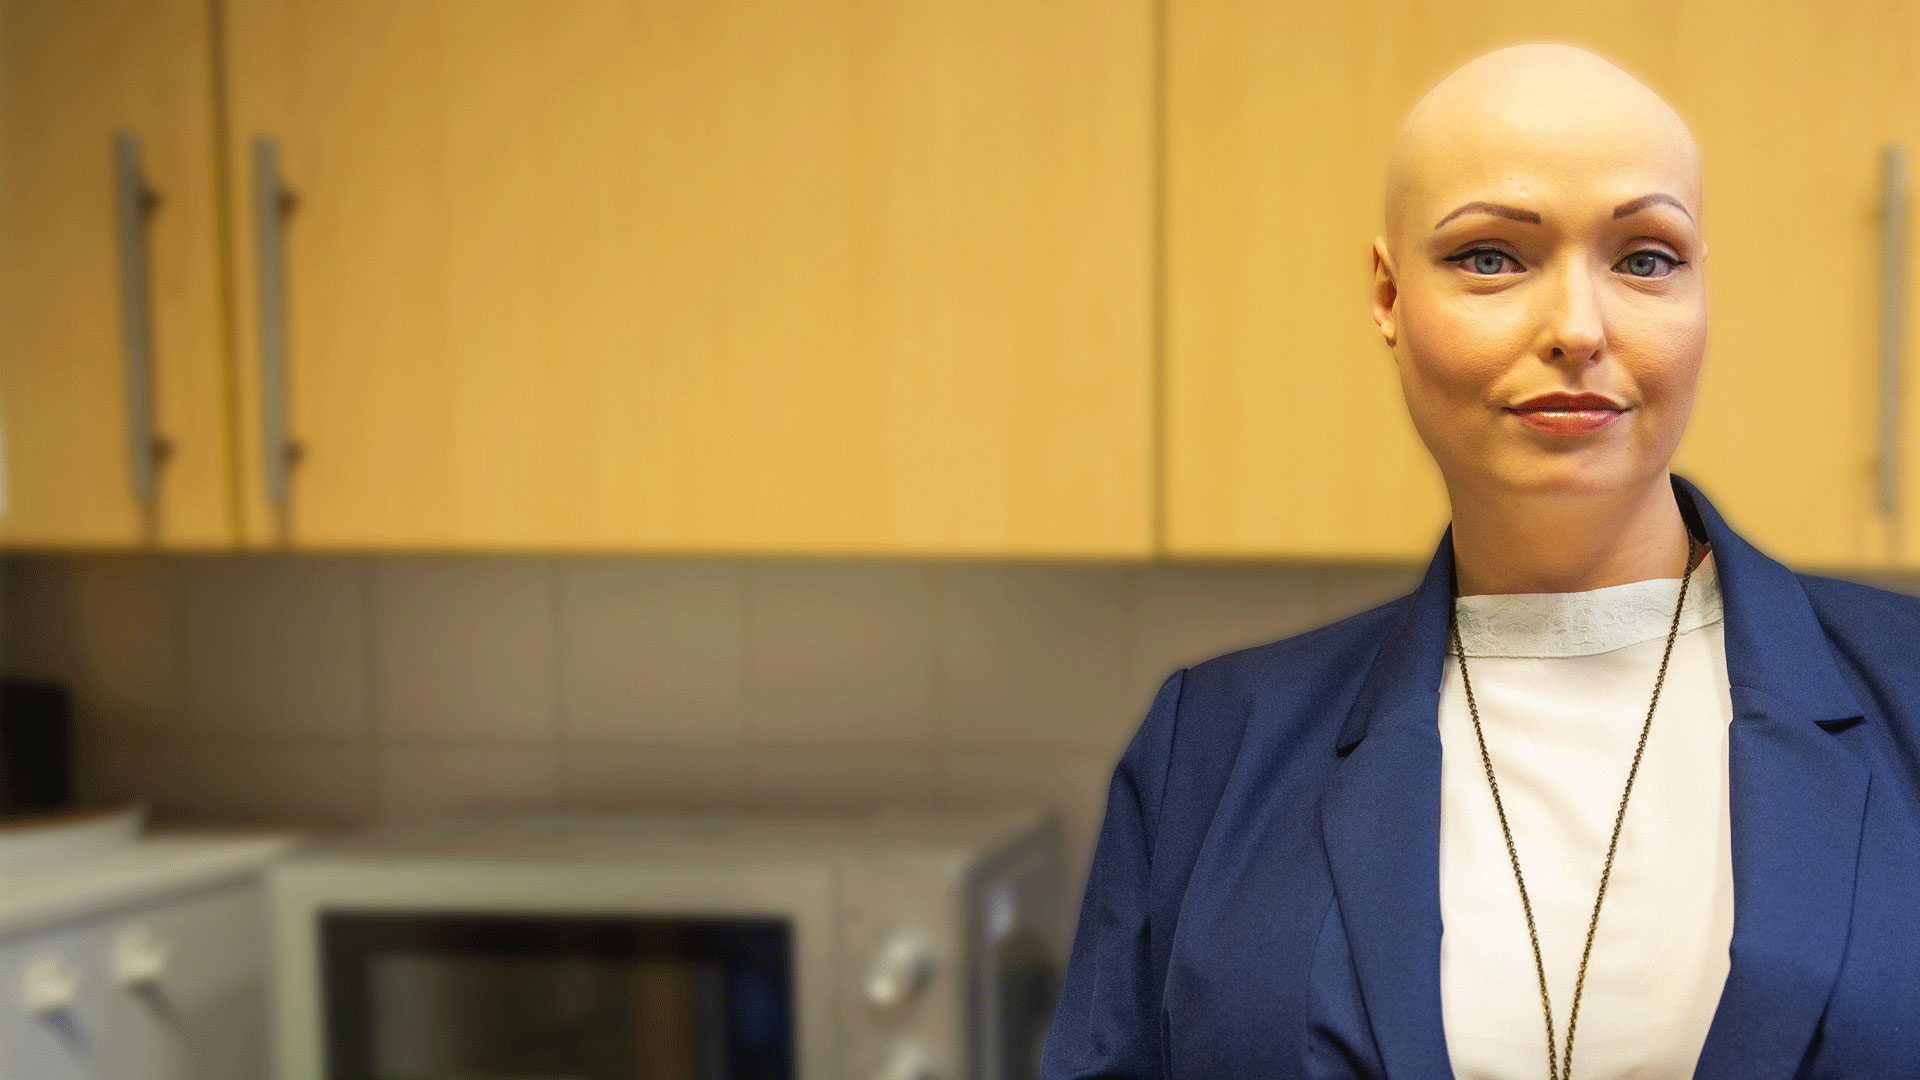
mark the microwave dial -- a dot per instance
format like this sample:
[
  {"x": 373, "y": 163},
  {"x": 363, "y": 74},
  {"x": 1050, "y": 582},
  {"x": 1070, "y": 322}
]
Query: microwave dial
[
  {"x": 909, "y": 1062},
  {"x": 900, "y": 970}
]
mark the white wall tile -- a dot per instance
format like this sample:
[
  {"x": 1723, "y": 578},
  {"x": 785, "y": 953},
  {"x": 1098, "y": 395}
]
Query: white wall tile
[
  {"x": 1907, "y": 582},
  {"x": 1186, "y": 614},
  {"x": 840, "y": 652},
  {"x": 1033, "y": 656},
  {"x": 1349, "y": 590},
  {"x": 627, "y": 775},
  {"x": 848, "y": 778},
  {"x": 40, "y": 617},
  {"x": 653, "y": 650},
  {"x": 464, "y": 648},
  {"x": 343, "y": 690},
  {"x": 278, "y": 646},
  {"x": 221, "y": 781},
  {"x": 110, "y": 628},
  {"x": 420, "y": 781}
]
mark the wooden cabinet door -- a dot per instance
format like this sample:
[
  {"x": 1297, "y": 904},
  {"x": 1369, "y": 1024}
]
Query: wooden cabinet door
[
  {"x": 75, "y": 76},
  {"x": 1287, "y": 430},
  {"x": 1898, "y": 431},
  {"x": 701, "y": 275},
  {"x": 1783, "y": 435}
]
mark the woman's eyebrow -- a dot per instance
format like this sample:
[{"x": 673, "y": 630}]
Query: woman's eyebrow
[
  {"x": 1631, "y": 206},
  {"x": 1645, "y": 201}
]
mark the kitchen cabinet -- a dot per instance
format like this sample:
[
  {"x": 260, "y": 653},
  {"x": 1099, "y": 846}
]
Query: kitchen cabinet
[
  {"x": 693, "y": 276},
  {"x": 113, "y": 418},
  {"x": 1898, "y": 428},
  {"x": 52, "y": 1030},
  {"x": 135, "y": 956},
  {"x": 1286, "y": 429},
  {"x": 177, "y": 992},
  {"x": 997, "y": 279},
  {"x": 189, "y": 988}
]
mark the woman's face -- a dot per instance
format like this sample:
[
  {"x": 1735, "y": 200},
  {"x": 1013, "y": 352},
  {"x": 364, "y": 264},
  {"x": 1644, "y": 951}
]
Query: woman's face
[{"x": 1537, "y": 256}]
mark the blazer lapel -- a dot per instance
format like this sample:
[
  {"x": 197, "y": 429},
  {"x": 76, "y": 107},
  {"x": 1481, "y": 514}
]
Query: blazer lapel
[
  {"x": 1380, "y": 824},
  {"x": 1797, "y": 799}
]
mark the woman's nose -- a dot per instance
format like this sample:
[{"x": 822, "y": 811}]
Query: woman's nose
[{"x": 1574, "y": 327}]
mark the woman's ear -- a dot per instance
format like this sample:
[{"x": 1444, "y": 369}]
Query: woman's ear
[{"x": 1385, "y": 291}]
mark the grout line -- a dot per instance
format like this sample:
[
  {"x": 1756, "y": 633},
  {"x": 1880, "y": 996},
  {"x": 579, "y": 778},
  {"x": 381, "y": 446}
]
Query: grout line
[
  {"x": 375, "y": 727},
  {"x": 803, "y": 744},
  {"x": 9, "y": 593},
  {"x": 939, "y": 694},
  {"x": 1131, "y": 584},
  {"x": 1321, "y": 592},
  {"x": 561, "y": 720},
  {"x": 181, "y": 601},
  {"x": 746, "y": 577}
]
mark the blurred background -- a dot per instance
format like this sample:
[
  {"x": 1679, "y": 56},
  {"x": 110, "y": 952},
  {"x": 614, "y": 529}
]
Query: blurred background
[{"x": 419, "y": 408}]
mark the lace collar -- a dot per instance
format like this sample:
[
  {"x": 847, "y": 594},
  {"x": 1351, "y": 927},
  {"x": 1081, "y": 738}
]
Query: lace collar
[{"x": 1583, "y": 623}]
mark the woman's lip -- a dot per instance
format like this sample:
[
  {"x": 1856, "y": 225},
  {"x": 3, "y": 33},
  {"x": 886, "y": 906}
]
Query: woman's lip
[{"x": 1568, "y": 421}]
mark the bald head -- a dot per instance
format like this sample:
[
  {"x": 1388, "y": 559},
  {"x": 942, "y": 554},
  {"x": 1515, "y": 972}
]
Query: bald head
[{"x": 1520, "y": 120}]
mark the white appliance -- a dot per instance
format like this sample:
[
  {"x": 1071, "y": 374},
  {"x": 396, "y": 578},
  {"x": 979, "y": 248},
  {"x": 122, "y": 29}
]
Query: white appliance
[
  {"x": 132, "y": 957},
  {"x": 896, "y": 946}
]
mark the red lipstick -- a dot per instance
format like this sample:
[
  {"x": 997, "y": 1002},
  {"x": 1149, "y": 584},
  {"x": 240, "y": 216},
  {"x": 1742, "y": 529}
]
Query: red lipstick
[{"x": 1561, "y": 413}]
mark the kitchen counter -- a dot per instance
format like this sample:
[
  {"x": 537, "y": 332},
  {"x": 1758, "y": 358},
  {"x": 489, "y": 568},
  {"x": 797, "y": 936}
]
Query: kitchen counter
[{"x": 157, "y": 864}]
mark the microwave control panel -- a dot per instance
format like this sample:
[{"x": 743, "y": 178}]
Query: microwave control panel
[{"x": 950, "y": 966}]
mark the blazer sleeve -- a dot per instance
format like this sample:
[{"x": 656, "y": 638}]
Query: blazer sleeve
[{"x": 1107, "y": 1021}]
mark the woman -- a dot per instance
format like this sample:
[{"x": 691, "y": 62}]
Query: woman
[{"x": 1611, "y": 786}]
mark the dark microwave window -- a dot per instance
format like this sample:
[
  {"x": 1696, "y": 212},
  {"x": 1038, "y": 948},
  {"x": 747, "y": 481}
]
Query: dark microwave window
[
  {"x": 1029, "y": 989},
  {"x": 447, "y": 996}
]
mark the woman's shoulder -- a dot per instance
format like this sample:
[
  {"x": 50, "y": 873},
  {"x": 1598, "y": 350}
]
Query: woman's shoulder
[{"x": 1876, "y": 630}]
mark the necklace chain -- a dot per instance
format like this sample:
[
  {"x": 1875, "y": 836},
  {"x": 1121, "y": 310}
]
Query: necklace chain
[{"x": 1555, "y": 1070}]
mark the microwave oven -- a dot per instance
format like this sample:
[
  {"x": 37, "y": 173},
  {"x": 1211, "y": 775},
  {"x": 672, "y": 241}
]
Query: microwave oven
[{"x": 898, "y": 945}]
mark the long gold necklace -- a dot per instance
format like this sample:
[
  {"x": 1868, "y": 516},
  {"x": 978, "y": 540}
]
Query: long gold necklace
[{"x": 1554, "y": 1069}]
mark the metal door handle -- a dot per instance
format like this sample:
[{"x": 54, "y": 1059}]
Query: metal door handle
[
  {"x": 1893, "y": 318},
  {"x": 134, "y": 205},
  {"x": 272, "y": 203}
]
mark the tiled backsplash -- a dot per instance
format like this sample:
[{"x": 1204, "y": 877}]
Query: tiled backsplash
[{"x": 337, "y": 691}]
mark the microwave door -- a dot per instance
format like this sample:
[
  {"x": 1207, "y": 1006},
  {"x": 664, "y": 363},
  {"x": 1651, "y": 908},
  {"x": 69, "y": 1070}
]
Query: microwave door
[{"x": 425, "y": 996}]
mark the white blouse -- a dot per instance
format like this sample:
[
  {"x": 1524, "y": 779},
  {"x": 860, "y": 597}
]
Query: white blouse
[{"x": 1562, "y": 682}]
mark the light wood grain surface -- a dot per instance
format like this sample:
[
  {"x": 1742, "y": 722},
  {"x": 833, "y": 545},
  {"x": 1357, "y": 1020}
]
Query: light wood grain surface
[
  {"x": 72, "y": 75},
  {"x": 700, "y": 276}
]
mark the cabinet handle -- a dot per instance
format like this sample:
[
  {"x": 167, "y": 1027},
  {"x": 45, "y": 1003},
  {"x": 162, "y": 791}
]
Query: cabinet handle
[
  {"x": 272, "y": 203},
  {"x": 1893, "y": 317},
  {"x": 49, "y": 986},
  {"x": 134, "y": 204},
  {"x": 139, "y": 959}
]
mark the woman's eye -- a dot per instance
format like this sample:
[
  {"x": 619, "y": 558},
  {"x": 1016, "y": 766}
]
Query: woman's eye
[
  {"x": 1483, "y": 260},
  {"x": 1646, "y": 262}
]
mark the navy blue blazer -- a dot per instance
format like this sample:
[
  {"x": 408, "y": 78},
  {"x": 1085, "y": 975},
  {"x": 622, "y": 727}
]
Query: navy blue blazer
[{"x": 1264, "y": 895}]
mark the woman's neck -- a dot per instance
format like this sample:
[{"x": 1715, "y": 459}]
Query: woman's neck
[{"x": 1555, "y": 542}]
